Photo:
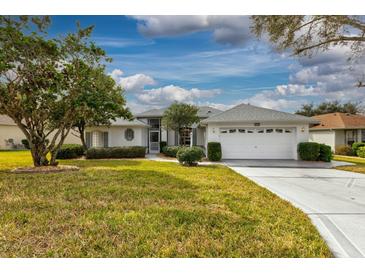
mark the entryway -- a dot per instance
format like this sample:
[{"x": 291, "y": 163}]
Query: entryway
[{"x": 154, "y": 141}]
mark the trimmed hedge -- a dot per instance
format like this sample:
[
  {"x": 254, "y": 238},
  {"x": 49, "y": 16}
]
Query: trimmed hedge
[
  {"x": 344, "y": 150},
  {"x": 308, "y": 151},
  {"x": 214, "y": 151},
  {"x": 325, "y": 153},
  {"x": 162, "y": 145},
  {"x": 25, "y": 143},
  {"x": 171, "y": 151},
  {"x": 356, "y": 146},
  {"x": 70, "y": 151},
  {"x": 116, "y": 152},
  {"x": 190, "y": 156},
  {"x": 361, "y": 152}
]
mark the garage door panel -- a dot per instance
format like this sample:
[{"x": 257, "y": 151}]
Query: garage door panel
[{"x": 257, "y": 145}]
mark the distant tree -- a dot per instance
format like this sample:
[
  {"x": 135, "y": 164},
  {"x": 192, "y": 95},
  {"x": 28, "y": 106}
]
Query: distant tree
[
  {"x": 102, "y": 107},
  {"x": 305, "y": 35},
  {"x": 180, "y": 116},
  {"x": 329, "y": 107},
  {"x": 46, "y": 84}
]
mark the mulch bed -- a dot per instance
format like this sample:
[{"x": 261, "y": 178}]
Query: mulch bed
[{"x": 45, "y": 169}]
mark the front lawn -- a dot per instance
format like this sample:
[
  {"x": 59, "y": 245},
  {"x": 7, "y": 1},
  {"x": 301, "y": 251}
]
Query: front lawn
[
  {"x": 141, "y": 208},
  {"x": 359, "y": 167}
]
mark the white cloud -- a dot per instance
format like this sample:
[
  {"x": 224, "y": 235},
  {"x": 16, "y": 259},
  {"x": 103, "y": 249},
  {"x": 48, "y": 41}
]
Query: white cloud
[
  {"x": 271, "y": 99},
  {"x": 233, "y": 30},
  {"x": 299, "y": 90},
  {"x": 168, "y": 94},
  {"x": 133, "y": 83}
]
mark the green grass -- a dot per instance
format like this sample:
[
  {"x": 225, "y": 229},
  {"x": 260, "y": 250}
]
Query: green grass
[
  {"x": 141, "y": 208},
  {"x": 359, "y": 167}
]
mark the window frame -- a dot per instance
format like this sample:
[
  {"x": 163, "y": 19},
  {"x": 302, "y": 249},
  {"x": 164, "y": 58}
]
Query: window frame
[{"x": 126, "y": 134}]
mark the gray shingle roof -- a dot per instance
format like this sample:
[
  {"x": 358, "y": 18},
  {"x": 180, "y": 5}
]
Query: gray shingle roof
[
  {"x": 156, "y": 112},
  {"x": 6, "y": 120},
  {"x": 203, "y": 112},
  {"x": 249, "y": 113},
  {"x": 123, "y": 122}
]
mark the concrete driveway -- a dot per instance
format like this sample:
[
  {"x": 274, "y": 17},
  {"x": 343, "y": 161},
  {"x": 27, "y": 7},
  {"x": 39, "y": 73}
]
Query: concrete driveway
[{"x": 333, "y": 199}]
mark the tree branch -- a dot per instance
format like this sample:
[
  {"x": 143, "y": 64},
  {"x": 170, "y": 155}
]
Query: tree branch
[{"x": 333, "y": 40}]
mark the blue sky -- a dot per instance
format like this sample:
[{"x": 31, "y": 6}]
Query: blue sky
[{"x": 209, "y": 60}]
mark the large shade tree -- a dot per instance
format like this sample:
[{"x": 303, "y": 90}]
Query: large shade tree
[
  {"x": 46, "y": 84},
  {"x": 306, "y": 35},
  {"x": 180, "y": 116}
]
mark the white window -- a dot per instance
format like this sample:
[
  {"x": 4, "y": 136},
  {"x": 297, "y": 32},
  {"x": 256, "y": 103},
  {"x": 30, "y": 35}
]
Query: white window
[
  {"x": 232, "y": 130},
  {"x": 241, "y": 130},
  {"x": 288, "y": 130},
  {"x": 223, "y": 131},
  {"x": 279, "y": 130},
  {"x": 249, "y": 131},
  {"x": 129, "y": 134},
  {"x": 260, "y": 131},
  {"x": 269, "y": 130}
]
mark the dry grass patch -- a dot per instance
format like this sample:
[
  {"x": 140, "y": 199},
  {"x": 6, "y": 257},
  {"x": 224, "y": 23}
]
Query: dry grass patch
[{"x": 140, "y": 208}]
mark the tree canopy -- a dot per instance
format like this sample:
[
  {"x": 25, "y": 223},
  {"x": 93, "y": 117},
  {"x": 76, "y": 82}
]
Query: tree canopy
[
  {"x": 306, "y": 35},
  {"x": 47, "y": 84},
  {"x": 103, "y": 106},
  {"x": 329, "y": 107},
  {"x": 179, "y": 116}
]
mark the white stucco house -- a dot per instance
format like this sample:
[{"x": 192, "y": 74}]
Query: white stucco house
[
  {"x": 337, "y": 128},
  {"x": 244, "y": 131}
]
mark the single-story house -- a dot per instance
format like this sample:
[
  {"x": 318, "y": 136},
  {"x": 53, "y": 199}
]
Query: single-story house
[
  {"x": 244, "y": 131},
  {"x": 337, "y": 129}
]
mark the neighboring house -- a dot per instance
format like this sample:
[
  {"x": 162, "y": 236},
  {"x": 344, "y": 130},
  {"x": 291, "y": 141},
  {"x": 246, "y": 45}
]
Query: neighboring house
[
  {"x": 338, "y": 129},
  {"x": 11, "y": 136},
  {"x": 244, "y": 131}
]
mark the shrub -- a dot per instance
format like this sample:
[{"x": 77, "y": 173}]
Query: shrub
[
  {"x": 162, "y": 145},
  {"x": 171, "y": 151},
  {"x": 70, "y": 151},
  {"x": 190, "y": 156},
  {"x": 116, "y": 152},
  {"x": 325, "y": 153},
  {"x": 25, "y": 143},
  {"x": 214, "y": 151},
  {"x": 308, "y": 151},
  {"x": 344, "y": 150},
  {"x": 356, "y": 146},
  {"x": 361, "y": 152}
]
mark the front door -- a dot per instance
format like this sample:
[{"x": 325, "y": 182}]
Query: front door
[{"x": 154, "y": 141}]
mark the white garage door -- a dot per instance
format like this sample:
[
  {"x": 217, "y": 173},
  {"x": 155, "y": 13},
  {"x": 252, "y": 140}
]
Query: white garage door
[{"x": 257, "y": 143}]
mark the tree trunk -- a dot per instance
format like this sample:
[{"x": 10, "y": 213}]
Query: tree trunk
[
  {"x": 81, "y": 130},
  {"x": 39, "y": 154}
]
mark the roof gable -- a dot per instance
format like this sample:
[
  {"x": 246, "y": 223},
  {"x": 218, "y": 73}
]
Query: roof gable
[
  {"x": 203, "y": 112},
  {"x": 250, "y": 113},
  {"x": 338, "y": 120}
]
